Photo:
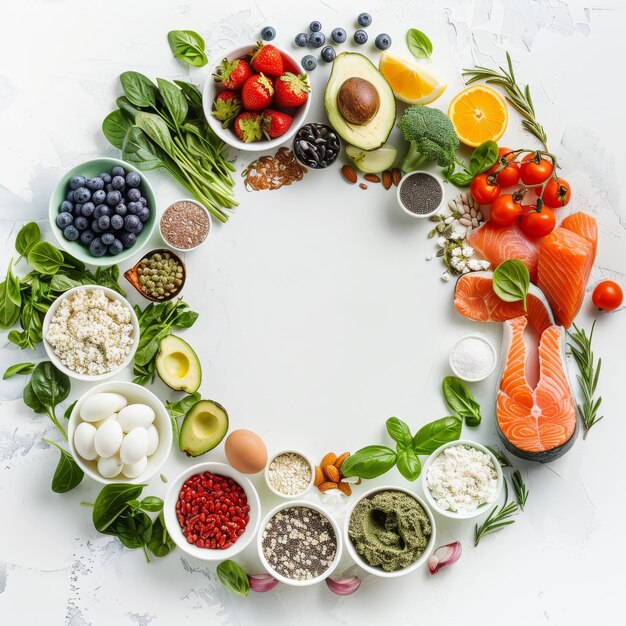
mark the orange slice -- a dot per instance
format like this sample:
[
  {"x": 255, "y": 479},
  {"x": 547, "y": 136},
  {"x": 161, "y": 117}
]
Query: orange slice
[
  {"x": 410, "y": 82},
  {"x": 478, "y": 113}
]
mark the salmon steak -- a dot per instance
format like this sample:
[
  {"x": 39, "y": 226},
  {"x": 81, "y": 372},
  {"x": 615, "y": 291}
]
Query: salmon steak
[{"x": 537, "y": 424}]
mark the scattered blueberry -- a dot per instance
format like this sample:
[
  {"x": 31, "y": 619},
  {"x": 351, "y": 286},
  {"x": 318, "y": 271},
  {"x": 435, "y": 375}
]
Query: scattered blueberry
[
  {"x": 94, "y": 184},
  {"x": 106, "y": 178},
  {"x": 316, "y": 40},
  {"x": 383, "y": 41},
  {"x": 99, "y": 196},
  {"x": 100, "y": 210},
  {"x": 115, "y": 248},
  {"x": 87, "y": 209},
  {"x": 133, "y": 195},
  {"x": 66, "y": 206},
  {"x": 360, "y": 37},
  {"x": 82, "y": 194},
  {"x": 104, "y": 222},
  {"x": 97, "y": 248},
  {"x": 133, "y": 179},
  {"x": 144, "y": 214},
  {"x": 81, "y": 223},
  {"x": 128, "y": 239},
  {"x": 302, "y": 39},
  {"x": 364, "y": 19},
  {"x": 64, "y": 219},
  {"x": 118, "y": 171},
  {"x": 131, "y": 223},
  {"x": 87, "y": 236},
  {"x": 308, "y": 63},
  {"x": 107, "y": 238},
  {"x": 339, "y": 35},
  {"x": 118, "y": 182},
  {"x": 71, "y": 233},
  {"x": 121, "y": 209},
  {"x": 268, "y": 33},
  {"x": 114, "y": 198},
  {"x": 77, "y": 181},
  {"x": 328, "y": 54},
  {"x": 117, "y": 222},
  {"x": 315, "y": 26}
]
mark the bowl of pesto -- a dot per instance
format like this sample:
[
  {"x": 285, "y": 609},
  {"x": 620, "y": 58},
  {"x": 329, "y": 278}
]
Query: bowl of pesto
[{"x": 389, "y": 532}]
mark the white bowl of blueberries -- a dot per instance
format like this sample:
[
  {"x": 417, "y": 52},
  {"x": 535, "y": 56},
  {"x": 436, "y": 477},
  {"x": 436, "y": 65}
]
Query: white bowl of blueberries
[{"x": 103, "y": 211}]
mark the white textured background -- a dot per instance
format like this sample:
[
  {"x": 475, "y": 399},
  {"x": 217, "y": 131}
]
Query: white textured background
[{"x": 320, "y": 317}]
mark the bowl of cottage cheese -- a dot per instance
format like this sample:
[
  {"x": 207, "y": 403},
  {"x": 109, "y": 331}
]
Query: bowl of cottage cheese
[{"x": 90, "y": 333}]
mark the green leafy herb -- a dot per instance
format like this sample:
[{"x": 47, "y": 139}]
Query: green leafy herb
[
  {"x": 69, "y": 410},
  {"x": 179, "y": 409},
  {"x": 521, "y": 492},
  {"x": 588, "y": 376},
  {"x": 46, "y": 389},
  {"x": 44, "y": 258},
  {"x": 28, "y": 236},
  {"x": 407, "y": 462},
  {"x": 511, "y": 281},
  {"x": 369, "y": 462},
  {"x": 482, "y": 158},
  {"x": 419, "y": 44},
  {"x": 433, "y": 435},
  {"x": 399, "y": 431},
  {"x": 460, "y": 400},
  {"x": 233, "y": 577},
  {"x": 67, "y": 475},
  {"x": 152, "y": 504},
  {"x": 18, "y": 368},
  {"x": 188, "y": 46},
  {"x": 139, "y": 89},
  {"x": 502, "y": 458},
  {"x": 160, "y": 544},
  {"x": 498, "y": 518},
  {"x": 115, "y": 126}
]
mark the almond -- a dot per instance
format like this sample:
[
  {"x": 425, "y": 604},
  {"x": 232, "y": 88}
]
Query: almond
[
  {"x": 345, "y": 488},
  {"x": 319, "y": 476},
  {"x": 329, "y": 459},
  {"x": 372, "y": 178},
  {"x": 332, "y": 473},
  {"x": 349, "y": 173},
  {"x": 340, "y": 459},
  {"x": 328, "y": 485},
  {"x": 387, "y": 179},
  {"x": 396, "y": 175}
]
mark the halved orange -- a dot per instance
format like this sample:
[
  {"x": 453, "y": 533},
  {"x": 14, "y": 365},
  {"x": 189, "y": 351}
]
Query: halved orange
[
  {"x": 410, "y": 82},
  {"x": 479, "y": 113}
]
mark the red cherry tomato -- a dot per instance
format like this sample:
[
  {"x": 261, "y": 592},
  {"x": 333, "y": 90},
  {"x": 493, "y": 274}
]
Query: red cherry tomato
[
  {"x": 483, "y": 191},
  {"x": 556, "y": 193},
  {"x": 607, "y": 295},
  {"x": 509, "y": 175},
  {"x": 538, "y": 223},
  {"x": 505, "y": 210},
  {"x": 534, "y": 169}
]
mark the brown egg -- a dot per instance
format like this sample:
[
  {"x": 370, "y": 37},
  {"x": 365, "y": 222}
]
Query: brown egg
[{"x": 245, "y": 451}]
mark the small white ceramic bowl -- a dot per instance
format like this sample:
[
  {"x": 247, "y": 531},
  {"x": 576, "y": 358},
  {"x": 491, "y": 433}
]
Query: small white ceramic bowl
[
  {"x": 134, "y": 394},
  {"x": 494, "y": 358},
  {"x": 403, "y": 181},
  {"x": 283, "y": 495},
  {"x": 291, "y": 581},
  {"x": 112, "y": 295},
  {"x": 175, "y": 531},
  {"x": 378, "y": 571},
  {"x": 212, "y": 88},
  {"x": 452, "y": 514},
  {"x": 183, "y": 250}
]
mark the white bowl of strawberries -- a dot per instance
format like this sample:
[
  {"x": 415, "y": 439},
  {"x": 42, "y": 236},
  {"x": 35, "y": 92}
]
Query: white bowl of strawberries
[{"x": 256, "y": 98}]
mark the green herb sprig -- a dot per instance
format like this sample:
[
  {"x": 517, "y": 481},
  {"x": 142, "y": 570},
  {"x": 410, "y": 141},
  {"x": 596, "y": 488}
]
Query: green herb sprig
[
  {"x": 460, "y": 400},
  {"x": 500, "y": 456},
  {"x": 521, "y": 492},
  {"x": 498, "y": 518}
]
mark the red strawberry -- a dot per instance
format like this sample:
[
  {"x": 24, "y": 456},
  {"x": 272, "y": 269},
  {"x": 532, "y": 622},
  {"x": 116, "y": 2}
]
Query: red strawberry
[
  {"x": 257, "y": 92},
  {"x": 232, "y": 74},
  {"x": 226, "y": 107},
  {"x": 291, "y": 90},
  {"x": 289, "y": 66},
  {"x": 275, "y": 123},
  {"x": 267, "y": 59},
  {"x": 247, "y": 127}
]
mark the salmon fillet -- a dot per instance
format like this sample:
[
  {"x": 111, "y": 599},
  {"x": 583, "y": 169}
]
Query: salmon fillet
[
  {"x": 583, "y": 225},
  {"x": 535, "y": 424}
]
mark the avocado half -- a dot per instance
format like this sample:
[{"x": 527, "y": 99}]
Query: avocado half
[
  {"x": 374, "y": 133},
  {"x": 178, "y": 365},
  {"x": 204, "y": 426}
]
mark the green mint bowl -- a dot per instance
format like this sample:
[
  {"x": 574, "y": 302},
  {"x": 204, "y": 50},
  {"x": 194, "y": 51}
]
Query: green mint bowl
[{"x": 90, "y": 169}]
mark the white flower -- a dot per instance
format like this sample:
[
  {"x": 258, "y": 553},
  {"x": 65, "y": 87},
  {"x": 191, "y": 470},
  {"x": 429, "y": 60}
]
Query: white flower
[
  {"x": 485, "y": 264},
  {"x": 474, "y": 265},
  {"x": 466, "y": 270},
  {"x": 445, "y": 277},
  {"x": 468, "y": 251},
  {"x": 455, "y": 236},
  {"x": 460, "y": 265},
  {"x": 441, "y": 241},
  {"x": 456, "y": 252}
]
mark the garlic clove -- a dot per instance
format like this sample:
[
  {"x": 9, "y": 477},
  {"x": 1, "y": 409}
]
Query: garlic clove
[
  {"x": 444, "y": 555},
  {"x": 262, "y": 582},
  {"x": 344, "y": 586}
]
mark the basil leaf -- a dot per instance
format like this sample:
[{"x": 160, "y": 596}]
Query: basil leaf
[
  {"x": 511, "y": 281},
  {"x": 419, "y": 44},
  {"x": 187, "y": 46},
  {"x": 28, "y": 236},
  {"x": 67, "y": 475},
  {"x": 483, "y": 157},
  {"x": 408, "y": 463},
  {"x": 180, "y": 408},
  {"x": 9, "y": 312},
  {"x": 186, "y": 319},
  {"x": 115, "y": 126},
  {"x": 233, "y": 578},
  {"x": 139, "y": 89},
  {"x": 429, "y": 437},
  {"x": 49, "y": 384},
  {"x": 399, "y": 431},
  {"x": 111, "y": 502},
  {"x": 160, "y": 544},
  {"x": 152, "y": 504},
  {"x": 13, "y": 287},
  {"x": 62, "y": 282},
  {"x": 460, "y": 400},
  {"x": 18, "y": 368},
  {"x": 460, "y": 179},
  {"x": 45, "y": 258},
  {"x": 174, "y": 100},
  {"x": 369, "y": 462}
]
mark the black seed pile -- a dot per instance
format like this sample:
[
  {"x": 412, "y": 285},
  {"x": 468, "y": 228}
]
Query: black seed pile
[
  {"x": 420, "y": 193},
  {"x": 299, "y": 543},
  {"x": 316, "y": 145}
]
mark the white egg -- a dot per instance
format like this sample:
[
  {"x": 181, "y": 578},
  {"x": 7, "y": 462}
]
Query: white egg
[
  {"x": 110, "y": 467},
  {"x": 134, "y": 446},
  {"x": 135, "y": 416},
  {"x": 108, "y": 438},
  {"x": 153, "y": 439},
  {"x": 132, "y": 470},
  {"x": 84, "y": 436},
  {"x": 101, "y": 405},
  {"x": 113, "y": 416}
]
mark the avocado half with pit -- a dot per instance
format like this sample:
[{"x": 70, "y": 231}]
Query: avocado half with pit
[
  {"x": 359, "y": 102},
  {"x": 178, "y": 365},
  {"x": 204, "y": 426}
]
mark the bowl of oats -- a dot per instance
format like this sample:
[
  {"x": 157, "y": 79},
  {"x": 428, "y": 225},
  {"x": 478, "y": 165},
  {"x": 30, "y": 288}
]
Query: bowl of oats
[{"x": 90, "y": 333}]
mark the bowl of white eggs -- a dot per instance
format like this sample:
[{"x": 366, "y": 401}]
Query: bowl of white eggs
[{"x": 119, "y": 432}]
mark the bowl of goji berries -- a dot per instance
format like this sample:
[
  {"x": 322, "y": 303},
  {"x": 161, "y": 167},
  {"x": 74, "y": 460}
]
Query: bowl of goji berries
[
  {"x": 256, "y": 97},
  {"x": 212, "y": 511}
]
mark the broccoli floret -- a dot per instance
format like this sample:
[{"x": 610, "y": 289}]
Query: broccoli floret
[{"x": 431, "y": 136}]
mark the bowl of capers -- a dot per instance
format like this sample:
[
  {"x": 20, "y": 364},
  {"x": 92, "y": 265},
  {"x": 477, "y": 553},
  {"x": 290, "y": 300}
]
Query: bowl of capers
[{"x": 158, "y": 276}]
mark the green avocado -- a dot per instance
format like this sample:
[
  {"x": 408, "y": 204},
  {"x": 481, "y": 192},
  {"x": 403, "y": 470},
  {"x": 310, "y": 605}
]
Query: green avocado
[
  {"x": 204, "y": 426},
  {"x": 359, "y": 102},
  {"x": 178, "y": 365}
]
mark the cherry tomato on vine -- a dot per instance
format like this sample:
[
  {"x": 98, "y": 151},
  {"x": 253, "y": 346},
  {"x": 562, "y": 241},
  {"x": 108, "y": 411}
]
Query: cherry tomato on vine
[
  {"x": 505, "y": 210},
  {"x": 556, "y": 193},
  {"x": 483, "y": 191},
  {"x": 607, "y": 295},
  {"x": 534, "y": 169},
  {"x": 508, "y": 176},
  {"x": 538, "y": 222}
]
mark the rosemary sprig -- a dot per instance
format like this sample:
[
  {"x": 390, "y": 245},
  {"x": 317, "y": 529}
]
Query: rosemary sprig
[
  {"x": 521, "y": 493},
  {"x": 517, "y": 95},
  {"x": 502, "y": 459},
  {"x": 498, "y": 518},
  {"x": 588, "y": 374}
]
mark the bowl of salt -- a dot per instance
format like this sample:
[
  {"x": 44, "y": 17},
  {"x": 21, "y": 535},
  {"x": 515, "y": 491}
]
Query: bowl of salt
[{"x": 473, "y": 358}]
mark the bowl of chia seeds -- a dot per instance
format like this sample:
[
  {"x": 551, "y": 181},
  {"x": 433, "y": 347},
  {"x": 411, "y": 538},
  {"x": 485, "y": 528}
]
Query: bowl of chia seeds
[
  {"x": 420, "y": 194},
  {"x": 316, "y": 145},
  {"x": 299, "y": 544}
]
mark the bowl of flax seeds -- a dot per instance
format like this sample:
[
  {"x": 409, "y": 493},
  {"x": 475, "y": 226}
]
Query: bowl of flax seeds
[{"x": 185, "y": 225}]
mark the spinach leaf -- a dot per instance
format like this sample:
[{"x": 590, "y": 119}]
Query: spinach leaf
[
  {"x": 419, "y": 44},
  {"x": 111, "y": 502},
  {"x": 460, "y": 400},
  {"x": 179, "y": 409},
  {"x": 62, "y": 282},
  {"x": 115, "y": 126},
  {"x": 9, "y": 311},
  {"x": 460, "y": 179},
  {"x": 67, "y": 475},
  {"x": 68, "y": 411},
  {"x": 14, "y": 291},
  {"x": 483, "y": 157},
  {"x": 28, "y": 236},
  {"x": 174, "y": 100},
  {"x": 186, "y": 319},
  {"x": 408, "y": 462},
  {"x": 45, "y": 258},
  {"x": 109, "y": 277},
  {"x": 49, "y": 384},
  {"x": 138, "y": 150},
  {"x": 18, "y": 368},
  {"x": 369, "y": 462},
  {"x": 31, "y": 400},
  {"x": 156, "y": 129},
  {"x": 188, "y": 46},
  {"x": 152, "y": 504},
  {"x": 133, "y": 530},
  {"x": 233, "y": 577},
  {"x": 429, "y": 437},
  {"x": 126, "y": 106},
  {"x": 139, "y": 89},
  {"x": 511, "y": 281},
  {"x": 192, "y": 93},
  {"x": 160, "y": 544},
  {"x": 399, "y": 431}
]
